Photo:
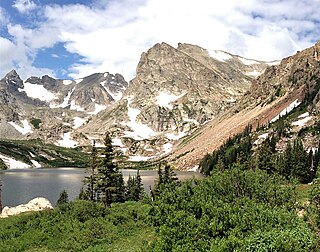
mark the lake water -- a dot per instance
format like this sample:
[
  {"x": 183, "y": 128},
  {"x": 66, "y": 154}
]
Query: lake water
[{"x": 20, "y": 186}]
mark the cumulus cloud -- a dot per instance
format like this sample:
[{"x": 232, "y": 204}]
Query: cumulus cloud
[
  {"x": 111, "y": 35},
  {"x": 24, "y": 6}
]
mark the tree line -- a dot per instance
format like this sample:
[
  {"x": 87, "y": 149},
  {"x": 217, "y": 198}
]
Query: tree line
[{"x": 294, "y": 163}]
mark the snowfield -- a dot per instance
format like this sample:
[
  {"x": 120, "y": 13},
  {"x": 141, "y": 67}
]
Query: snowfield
[
  {"x": 139, "y": 131},
  {"x": 302, "y": 122},
  {"x": 13, "y": 164},
  {"x": 65, "y": 102},
  {"x": 37, "y": 92},
  {"x": 248, "y": 61},
  {"x": 67, "y": 82},
  {"x": 23, "y": 130},
  {"x": 254, "y": 73},
  {"x": 78, "y": 122},
  {"x": 219, "y": 55},
  {"x": 172, "y": 136},
  {"x": 287, "y": 110},
  {"x": 98, "y": 108},
  {"x": 74, "y": 106},
  {"x": 163, "y": 99},
  {"x": 67, "y": 141}
]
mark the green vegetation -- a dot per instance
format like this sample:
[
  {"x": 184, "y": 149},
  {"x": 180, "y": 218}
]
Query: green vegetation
[
  {"x": 48, "y": 155},
  {"x": 36, "y": 123},
  {"x": 79, "y": 226}
]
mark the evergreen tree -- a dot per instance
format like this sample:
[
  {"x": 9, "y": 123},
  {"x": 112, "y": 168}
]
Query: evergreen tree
[
  {"x": 109, "y": 179},
  {"x": 63, "y": 198},
  {"x": 134, "y": 188},
  {"x": 91, "y": 179}
]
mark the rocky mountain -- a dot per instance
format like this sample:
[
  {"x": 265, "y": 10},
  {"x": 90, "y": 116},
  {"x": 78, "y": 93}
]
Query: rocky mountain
[
  {"x": 183, "y": 102},
  {"x": 294, "y": 83},
  {"x": 175, "y": 91},
  {"x": 52, "y": 109}
]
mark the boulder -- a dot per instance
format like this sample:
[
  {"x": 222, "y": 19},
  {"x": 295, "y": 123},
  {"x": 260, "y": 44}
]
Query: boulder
[{"x": 37, "y": 204}]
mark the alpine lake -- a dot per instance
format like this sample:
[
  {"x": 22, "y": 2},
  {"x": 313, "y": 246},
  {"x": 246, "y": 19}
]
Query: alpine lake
[{"x": 21, "y": 185}]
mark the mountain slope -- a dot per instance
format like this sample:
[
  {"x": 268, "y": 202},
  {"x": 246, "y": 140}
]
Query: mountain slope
[{"x": 295, "y": 81}]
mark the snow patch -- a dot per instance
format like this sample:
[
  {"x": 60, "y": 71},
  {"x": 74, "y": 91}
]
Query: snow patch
[
  {"x": 67, "y": 141},
  {"x": 219, "y": 55},
  {"x": 74, "y": 106},
  {"x": 139, "y": 131},
  {"x": 254, "y": 73},
  {"x": 302, "y": 122},
  {"x": 117, "y": 142},
  {"x": 172, "y": 136},
  {"x": 115, "y": 96},
  {"x": 287, "y": 110},
  {"x": 65, "y": 102},
  {"x": 167, "y": 148},
  {"x": 273, "y": 63},
  {"x": 163, "y": 99},
  {"x": 303, "y": 115},
  {"x": 13, "y": 164},
  {"x": 261, "y": 138},
  {"x": 23, "y": 130},
  {"x": 37, "y": 92},
  {"x": 67, "y": 82},
  {"x": 35, "y": 163},
  {"x": 248, "y": 61},
  {"x": 78, "y": 81},
  {"x": 106, "y": 74},
  {"x": 98, "y": 108},
  {"x": 78, "y": 121}
]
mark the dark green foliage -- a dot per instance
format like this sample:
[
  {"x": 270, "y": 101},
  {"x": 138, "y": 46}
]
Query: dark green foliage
[
  {"x": 166, "y": 179},
  {"x": 230, "y": 211},
  {"x": 235, "y": 149},
  {"x": 47, "y": 154},
  {"x": 79, "y": 226},
  {"x": 63, "y": 198},
  {"x": 297, "y": 163},
  {"x": 134, "y": 188},
  {"x": 105, "y": 181},
  {"x": 36, "y": 123},
  {"x": 90, "y": 180}
]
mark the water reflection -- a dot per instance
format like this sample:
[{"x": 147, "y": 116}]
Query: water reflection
[{"x": 20, "y": 186}]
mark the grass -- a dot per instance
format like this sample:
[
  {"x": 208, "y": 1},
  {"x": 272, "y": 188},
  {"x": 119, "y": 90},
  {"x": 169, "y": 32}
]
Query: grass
[
  {"x": 303, "y": 193},
  {"x": 79, "y": 226}
]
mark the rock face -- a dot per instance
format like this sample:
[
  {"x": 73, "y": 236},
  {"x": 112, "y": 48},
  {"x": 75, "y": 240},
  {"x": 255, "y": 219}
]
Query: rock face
[
  {"x": 52, "y": 109},
  {"x": 37, "y": 204},
  {"x": 174, "y": 92},
  {"x": 293, "y": 82}
]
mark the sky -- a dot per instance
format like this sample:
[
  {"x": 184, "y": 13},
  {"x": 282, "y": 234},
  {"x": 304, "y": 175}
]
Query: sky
[{"x": 70, "y": 39}]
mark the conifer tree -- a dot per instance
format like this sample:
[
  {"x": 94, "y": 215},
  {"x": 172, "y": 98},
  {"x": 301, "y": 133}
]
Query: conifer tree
[
  {"x": 109, "y": 178},
  {"x": 91, "y": 179},
  {"x": 63, "y": 198}
]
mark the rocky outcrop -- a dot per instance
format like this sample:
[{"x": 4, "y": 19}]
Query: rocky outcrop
[{"x": 37, "y": 204}]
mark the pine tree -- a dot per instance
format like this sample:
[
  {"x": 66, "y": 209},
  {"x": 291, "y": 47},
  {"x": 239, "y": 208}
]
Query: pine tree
[
  {"x": 134, "y": 189},
  {"x": 63, "y": 198},
  {"x": 109, "y": 179},
  {"x": 91, "y": 179}
]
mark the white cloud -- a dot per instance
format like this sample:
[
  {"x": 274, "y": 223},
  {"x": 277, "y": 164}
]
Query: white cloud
[
  {"x": 24, "y": 6},
  {"x": 111, "y": 35}
]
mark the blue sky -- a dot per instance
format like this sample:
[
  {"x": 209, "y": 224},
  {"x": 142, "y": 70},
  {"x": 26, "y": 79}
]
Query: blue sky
[{"x": 70, "y": 39}]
